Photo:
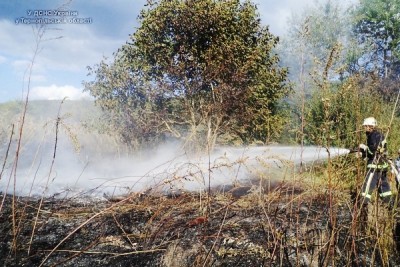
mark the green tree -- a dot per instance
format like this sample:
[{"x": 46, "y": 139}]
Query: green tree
[
  {"x": 312, "y": 37},
  {"x": 196, "y": 69},
  {"x": 377, "y": 24}
]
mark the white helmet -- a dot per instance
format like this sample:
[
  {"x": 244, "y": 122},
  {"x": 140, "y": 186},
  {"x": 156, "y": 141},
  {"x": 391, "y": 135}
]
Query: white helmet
[{"x": 370, "y": 122}]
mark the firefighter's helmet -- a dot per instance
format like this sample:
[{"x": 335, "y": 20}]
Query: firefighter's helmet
[{"x": 370, "y": 122}]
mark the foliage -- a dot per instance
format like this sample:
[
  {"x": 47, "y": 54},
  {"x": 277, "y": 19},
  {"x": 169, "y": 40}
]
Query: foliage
[
  {"x": 330, "y": 121},
  {"x": 194, "y": 70},
  {"x": 340, "y": 111},
  {"x": 316, "y": 37},
  {"x": 378, "y": 29},
  {"x": 128, "y": 106},
  {"x": 311, "y": 37}
]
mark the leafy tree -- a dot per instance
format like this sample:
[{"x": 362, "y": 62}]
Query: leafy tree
[
  {"x": 377, "y": 24},
  {"x": 316, "y": 33},
  {"x": 311, "y": 37},
  {"x": 195, "y": 69},
  {"x": 335, "y": 109},
  {"x": 129, "y": 110}
]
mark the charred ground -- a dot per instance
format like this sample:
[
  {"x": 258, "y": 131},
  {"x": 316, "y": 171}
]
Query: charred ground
[{"x": 285, "y": 226}]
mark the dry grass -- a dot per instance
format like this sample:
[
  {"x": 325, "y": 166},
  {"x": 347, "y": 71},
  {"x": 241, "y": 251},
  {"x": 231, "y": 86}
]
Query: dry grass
[{"x": 275, "y": 225}]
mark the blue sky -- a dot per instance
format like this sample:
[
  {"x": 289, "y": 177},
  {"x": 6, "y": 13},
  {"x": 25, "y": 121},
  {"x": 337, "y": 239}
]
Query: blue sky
[{"x": 68, "y": 49}]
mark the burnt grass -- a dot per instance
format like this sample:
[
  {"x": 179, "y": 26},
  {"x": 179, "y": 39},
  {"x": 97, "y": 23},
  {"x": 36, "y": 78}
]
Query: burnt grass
[{"x": 283, "y": 227}]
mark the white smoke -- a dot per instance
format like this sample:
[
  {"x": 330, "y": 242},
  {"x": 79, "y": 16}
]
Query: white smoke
[
  {"x": 102, "y": 165},
  {"x": 167, "y": 169}
]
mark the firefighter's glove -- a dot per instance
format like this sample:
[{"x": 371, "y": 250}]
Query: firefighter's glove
[
  {"x": 363, "y": 147},
  {"x": 358, "y": 155},
  {"x": 381, "y": 150}
]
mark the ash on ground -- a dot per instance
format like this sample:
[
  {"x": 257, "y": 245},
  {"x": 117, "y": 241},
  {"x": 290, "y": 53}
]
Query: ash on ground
[{"x": 283, "y": 226}]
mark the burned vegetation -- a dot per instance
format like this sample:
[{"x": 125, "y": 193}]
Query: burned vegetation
[{"x": 278, "y": 225}]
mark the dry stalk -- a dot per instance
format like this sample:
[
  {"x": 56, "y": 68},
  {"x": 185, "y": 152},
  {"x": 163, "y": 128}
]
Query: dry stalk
[
  {"x": 218, "y": 234},
  {"x": 94, "y": 243},
  {"x": 123, "y": 231},
  {"x": 48, "y": 177},
  {"x": 4, "y": 164},
  {"x": 38, "y": 35},
  {"x": 108, "y": 253}
]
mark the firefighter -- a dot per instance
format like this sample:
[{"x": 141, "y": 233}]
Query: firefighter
[{"x": 375, "y": 154}]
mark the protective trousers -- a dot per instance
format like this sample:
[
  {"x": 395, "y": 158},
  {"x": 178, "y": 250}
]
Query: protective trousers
[{"x": 373, "y": 179}]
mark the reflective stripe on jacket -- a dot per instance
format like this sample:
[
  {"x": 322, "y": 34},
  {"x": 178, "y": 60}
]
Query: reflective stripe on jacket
[{"x": 378, "y": 166}]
